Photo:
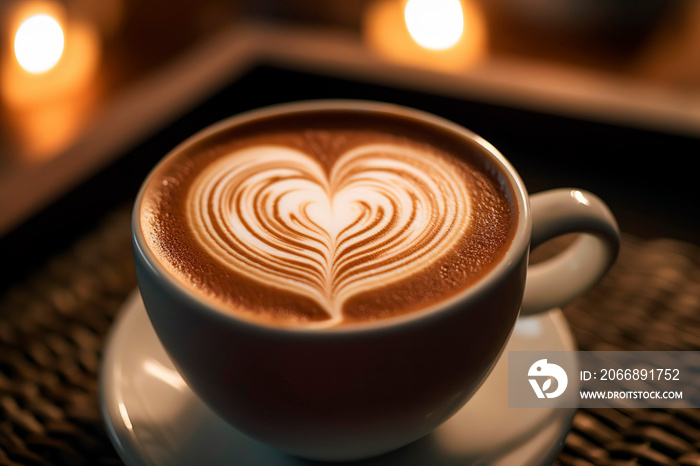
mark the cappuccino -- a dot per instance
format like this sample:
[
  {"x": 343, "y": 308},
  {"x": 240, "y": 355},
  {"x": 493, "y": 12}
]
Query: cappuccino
[{"x": 327, "y": 218}]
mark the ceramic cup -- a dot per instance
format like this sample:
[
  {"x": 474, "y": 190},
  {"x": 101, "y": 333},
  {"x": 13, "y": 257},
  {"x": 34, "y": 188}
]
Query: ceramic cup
[{"x": 355, "y": 391}]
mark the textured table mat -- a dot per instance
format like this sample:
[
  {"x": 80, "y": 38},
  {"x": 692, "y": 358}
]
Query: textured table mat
[{"x": 52, "y": 327}]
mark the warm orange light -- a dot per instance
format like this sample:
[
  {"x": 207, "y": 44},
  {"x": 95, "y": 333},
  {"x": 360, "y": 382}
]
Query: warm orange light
[
  {"x": 434, "y": 24},
  {"x": 446, "y": 35},
  {"x": 42, "y": 132},
  {"x": 39, "y": 43},
  {"x": 48, "y": 86}
]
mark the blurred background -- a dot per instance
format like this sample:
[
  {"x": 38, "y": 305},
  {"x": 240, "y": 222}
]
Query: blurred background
[
  {"x": 602, "y": 95},
  {"x": 81, "y": 80}
]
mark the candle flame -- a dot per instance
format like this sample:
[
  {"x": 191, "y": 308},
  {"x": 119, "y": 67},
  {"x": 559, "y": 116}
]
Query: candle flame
[
  {"x": 39, "y": 43},
  {"x": 434, "y": 24}
]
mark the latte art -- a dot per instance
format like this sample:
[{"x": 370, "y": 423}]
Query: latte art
[
  {"x": 383, "y": 213},
  {"x": 327, "y": 218}
]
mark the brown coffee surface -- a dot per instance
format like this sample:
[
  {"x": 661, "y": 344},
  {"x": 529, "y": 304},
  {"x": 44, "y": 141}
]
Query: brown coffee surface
[{"x": 328, "y": 218}]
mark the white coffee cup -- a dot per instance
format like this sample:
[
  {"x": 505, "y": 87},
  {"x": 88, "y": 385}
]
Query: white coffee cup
[{"x": 355, "y": 391}]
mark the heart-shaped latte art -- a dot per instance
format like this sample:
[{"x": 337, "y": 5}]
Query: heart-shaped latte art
[{"x": 383, "y": 213}]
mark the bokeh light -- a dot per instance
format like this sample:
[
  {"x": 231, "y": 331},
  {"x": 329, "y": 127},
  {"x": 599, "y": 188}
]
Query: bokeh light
[
  {"x": 39, "y": 43},
  {"x": 434, "y": 24}
]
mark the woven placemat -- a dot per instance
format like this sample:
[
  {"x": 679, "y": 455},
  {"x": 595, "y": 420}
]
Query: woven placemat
[{"x": 52, "y": 327}]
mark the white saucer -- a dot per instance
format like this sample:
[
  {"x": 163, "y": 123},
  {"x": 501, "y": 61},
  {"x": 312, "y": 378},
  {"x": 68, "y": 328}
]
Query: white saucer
[{"x": 153, "y": 418}]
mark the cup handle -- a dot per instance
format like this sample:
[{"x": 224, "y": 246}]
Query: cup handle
[{"x": 558, "y": 280}]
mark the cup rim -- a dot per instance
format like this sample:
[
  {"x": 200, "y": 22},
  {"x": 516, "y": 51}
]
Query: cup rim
[{"x": 511, "y": 258}]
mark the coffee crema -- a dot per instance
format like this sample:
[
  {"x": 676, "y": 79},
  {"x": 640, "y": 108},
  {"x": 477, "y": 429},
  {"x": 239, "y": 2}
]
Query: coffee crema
[{"x": 327, "y": 218}]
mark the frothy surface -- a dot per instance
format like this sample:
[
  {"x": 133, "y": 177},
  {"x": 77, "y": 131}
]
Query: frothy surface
[{"x": 321, "y": 220}]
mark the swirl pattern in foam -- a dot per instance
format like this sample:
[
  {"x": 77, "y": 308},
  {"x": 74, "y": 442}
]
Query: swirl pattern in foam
[
  {"x": 383, "y": 213},
  {"x": 325, "y": 218}
]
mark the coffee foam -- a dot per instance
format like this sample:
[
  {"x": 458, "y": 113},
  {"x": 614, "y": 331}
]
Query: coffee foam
[
  {"x": 324, "y": 223},
  {"x": 383, "y": 213}
]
